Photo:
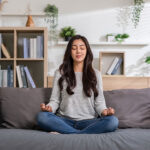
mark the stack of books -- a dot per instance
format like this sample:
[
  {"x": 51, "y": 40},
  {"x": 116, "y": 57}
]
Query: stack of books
[
  {"x": 33, "y": 47},
  {"x": 6, "y": 77},
  {"x": 114, "y": 66},
  {"x": 24, "y": 77}
]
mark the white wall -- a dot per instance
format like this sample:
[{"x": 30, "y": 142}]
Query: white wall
[{"x": 93, "y": 19}]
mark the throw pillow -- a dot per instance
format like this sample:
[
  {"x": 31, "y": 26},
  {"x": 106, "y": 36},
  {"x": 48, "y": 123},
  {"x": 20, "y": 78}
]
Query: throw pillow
[
  {"x": 132, "y": 107},
  {"x": 20, "y": 106}
]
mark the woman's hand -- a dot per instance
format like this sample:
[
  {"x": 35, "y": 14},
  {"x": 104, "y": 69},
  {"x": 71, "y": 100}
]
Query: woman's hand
[
  {"x": 46, "y": 108},
  {"x": 108, "y": 112}
]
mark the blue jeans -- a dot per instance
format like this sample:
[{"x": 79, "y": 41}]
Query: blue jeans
[{"x": 50, "y": 122}]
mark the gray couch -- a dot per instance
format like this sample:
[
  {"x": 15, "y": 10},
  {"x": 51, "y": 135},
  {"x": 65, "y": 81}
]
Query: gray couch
[{"x": 19, "y": 131}]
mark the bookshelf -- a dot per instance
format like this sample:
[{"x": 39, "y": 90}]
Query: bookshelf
[
  {"x": 106, "y": 59},
  {"x": 12, "y": 38}
]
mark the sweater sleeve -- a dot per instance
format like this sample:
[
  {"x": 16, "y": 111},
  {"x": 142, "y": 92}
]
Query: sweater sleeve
[
  {"x": 55, "y": 96},
  {"x": 100, "y": 103}
]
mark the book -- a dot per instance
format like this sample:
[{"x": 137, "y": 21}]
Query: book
[
  {"x": 28, "y": 83},
  {"x": 23, "y": 76},
  {"x": 11, "y": 78},
  {"x": 20, "y": 83},
  {"x": 40, "y": 47},
  {"x": 4, "y": 79},
  {"x": 0, "y": 45},
  {"x": 5, "y": 51},
  {"x": 8, "y": 75},
  {"x": 26, "y": 47},
  {"x": 31, "y": 48},
  {"x": 116, "y": 59},
  {"x": 117, "y": 66},
  {"x": 1, "y": 77},
  {"x": 29, "y": 77},
  {"x": 34, "y": 48}
]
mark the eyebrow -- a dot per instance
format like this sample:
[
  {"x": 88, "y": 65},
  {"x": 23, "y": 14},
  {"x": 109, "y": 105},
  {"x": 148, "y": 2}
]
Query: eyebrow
[{"x": 79, "y": 45}]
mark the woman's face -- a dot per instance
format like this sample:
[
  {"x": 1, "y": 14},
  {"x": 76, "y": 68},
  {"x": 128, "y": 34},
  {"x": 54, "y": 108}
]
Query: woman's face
[{"x": 78, "y": 51}]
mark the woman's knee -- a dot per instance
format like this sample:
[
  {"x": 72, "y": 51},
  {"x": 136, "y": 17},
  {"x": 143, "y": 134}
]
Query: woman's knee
[
  {"x": 112, "y": 123},
  {"x": 43, "y": 116}
]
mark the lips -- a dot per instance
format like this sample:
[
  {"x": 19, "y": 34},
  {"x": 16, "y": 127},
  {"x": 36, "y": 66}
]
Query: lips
[{"x": 78, "y": 56}]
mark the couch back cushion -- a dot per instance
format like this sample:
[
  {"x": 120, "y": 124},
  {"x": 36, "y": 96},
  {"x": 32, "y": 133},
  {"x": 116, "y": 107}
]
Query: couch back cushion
[
  {"x": 20, "y": 106},
  {"x": 132, "y": 107}
]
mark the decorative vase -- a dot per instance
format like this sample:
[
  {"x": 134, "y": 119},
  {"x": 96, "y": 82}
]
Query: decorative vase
[{"x": 30, "y": 22}]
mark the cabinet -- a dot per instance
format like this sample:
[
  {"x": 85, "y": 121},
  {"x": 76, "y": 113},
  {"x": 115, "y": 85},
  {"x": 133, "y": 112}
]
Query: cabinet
[
  {"x": 12, "y": 38},
  {"x": 106, "y": 60}
]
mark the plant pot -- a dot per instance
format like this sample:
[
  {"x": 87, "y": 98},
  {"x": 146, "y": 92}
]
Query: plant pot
[{"x": 67, "y": 38}]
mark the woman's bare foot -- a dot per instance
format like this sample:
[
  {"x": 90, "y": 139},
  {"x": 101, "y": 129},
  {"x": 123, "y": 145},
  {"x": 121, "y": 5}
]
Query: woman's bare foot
[{"x": 54, "y": 132}]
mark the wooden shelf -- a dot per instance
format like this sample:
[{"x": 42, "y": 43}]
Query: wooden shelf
[
  {"x": 106, "y": 59},
  {"x": 22, "y": 28},
  {"x": 30, "y": 59},
  {"x": 6, "y": 59},
  {"x": 23, "y": 14},
  {"x": 13, "y": 39}
]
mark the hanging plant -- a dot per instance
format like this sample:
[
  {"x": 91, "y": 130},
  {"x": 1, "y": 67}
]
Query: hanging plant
[
  {"x": 136, "y": 13},
  {"x": 51, "y": 13},
  {"x": 51, "y": 10}
]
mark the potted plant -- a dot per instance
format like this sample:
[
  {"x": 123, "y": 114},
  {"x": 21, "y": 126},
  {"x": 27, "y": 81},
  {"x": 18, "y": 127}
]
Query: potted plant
[
  {"x": 51, "y": 13},
  {"x": 110, "y": 37},
  {"x": 67, "y": 33},
  {"x": 136, "y": 13},
  {"x": 121, "y": 37},
  {"x": 147, "y": 60}
]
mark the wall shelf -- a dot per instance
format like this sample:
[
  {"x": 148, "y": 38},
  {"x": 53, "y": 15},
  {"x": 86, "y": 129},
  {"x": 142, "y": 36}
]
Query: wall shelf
[
  {"x": 111, "y": 43},
  {"x": 106, "y": 59}
]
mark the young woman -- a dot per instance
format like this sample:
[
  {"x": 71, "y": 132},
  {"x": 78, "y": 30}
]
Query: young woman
[{"x": 77, "y": 104}]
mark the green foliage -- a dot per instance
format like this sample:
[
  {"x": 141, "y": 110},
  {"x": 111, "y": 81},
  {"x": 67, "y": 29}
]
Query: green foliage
[
  {"x": 136, "y": 13},
  {"x": 51, "y": 9},
  {"x": 121, "y": 37},
  {"x": 51, "y": 17},
  {"x": 147, "y": 60},
  {"x": 67, "y": 32}
]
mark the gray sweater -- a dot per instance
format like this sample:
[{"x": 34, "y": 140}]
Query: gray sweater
[{"x": 77, "y": 106}]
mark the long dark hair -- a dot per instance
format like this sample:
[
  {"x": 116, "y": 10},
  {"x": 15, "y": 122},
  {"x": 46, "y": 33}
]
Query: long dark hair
[{"x": 66, "y": 69}]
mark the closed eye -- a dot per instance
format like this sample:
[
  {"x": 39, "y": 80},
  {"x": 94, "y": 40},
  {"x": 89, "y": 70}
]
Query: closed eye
[{"x": 74, "y": 47}]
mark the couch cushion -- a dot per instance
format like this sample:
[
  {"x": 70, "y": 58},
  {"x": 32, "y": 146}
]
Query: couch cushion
[
  {"x": 132, "y": 106},
  {"x": 19, "y": 106},
  {"x": 121, "y": 139}
]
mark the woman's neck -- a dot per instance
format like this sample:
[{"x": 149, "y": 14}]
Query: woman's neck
[{"x": 78, "y": 67}]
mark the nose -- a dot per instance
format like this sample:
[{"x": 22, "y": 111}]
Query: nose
[{"x": 78, "y": 50}]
